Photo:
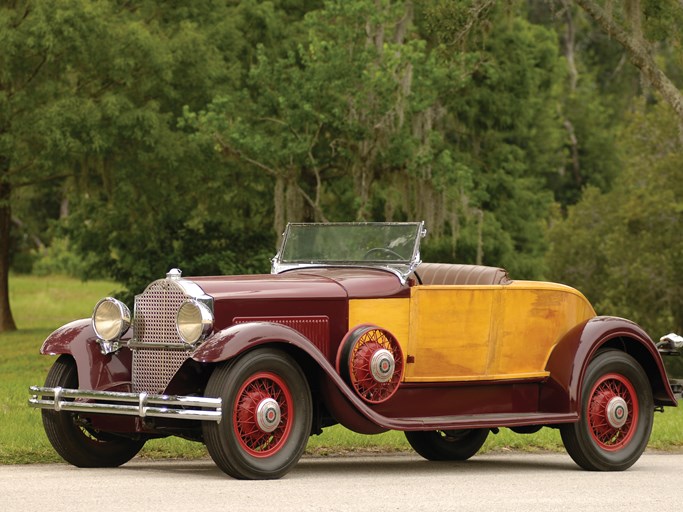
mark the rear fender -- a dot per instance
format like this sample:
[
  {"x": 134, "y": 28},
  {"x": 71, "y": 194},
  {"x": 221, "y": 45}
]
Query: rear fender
[
  {"x": 95, "y": 370},
  {"x": 569, "y": 359}
]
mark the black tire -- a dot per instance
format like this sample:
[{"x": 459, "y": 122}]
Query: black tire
[
  {"x": 72, "y": 439},
  {"x": 240, "y": 445},
  {"x": 441, "y": 445},
  {"x": 617, "y": 411}
]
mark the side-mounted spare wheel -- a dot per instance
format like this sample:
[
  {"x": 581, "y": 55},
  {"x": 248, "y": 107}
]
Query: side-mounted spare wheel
[
  {"x": 70, "y": 435},
  {"x": 617, "y": 411},
  {"x": 371, "y": 361},
  {"x": 267, "y": 415}
]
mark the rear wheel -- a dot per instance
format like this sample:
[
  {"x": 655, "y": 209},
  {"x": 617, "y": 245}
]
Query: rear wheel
[
  {"x": 439, "y": 445},
  {"x": 70, "y": 435},
  {"x": 267, "y": 415},
  {"x": 617, "y": 412}
]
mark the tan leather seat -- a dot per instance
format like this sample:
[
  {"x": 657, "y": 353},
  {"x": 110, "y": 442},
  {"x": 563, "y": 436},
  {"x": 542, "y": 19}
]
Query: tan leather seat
[{"x": 456, "y": 274}]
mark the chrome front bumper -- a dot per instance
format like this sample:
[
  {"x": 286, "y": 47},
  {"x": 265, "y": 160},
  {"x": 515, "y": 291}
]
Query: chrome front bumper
[{"x": 126, "y": 404}]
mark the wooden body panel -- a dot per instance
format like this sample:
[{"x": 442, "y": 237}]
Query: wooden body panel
[{"x": 476, "y": 333}]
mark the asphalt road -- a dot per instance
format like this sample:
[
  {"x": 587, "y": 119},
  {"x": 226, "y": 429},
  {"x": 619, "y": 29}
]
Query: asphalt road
[{"x": 505, "y": 482}]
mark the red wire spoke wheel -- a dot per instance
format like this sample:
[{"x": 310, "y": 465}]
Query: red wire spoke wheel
[
  {"x": 261, "y": 416},
  {"x": 612, "y": 412},
  {"x": 371, "y": 360},
  {"x": 267, "y": 413},
  {"x": 616, "y": 414}
]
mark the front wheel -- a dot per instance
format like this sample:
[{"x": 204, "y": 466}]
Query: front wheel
[
  {"x": 72, "y": 438},
  {"x": 617, "y": 412},
  {"x": 267, "y": 415},
  {"x": 441, "y": 445}
]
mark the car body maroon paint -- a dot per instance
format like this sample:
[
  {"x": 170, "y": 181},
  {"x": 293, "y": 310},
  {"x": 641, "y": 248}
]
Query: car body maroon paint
[
  {"x": 341, "y": 332},
  {"x": 95, "y": 370},
  {"x": 568, "y": 361}
]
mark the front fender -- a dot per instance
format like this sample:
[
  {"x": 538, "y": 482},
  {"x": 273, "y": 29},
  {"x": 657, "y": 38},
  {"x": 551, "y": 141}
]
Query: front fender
[
  {"x": 68, "y": 338},
  {"x": 95, "y": 370},
  {"x": 341, "y": 401},
  {"x": 234, "y": 340},
  {"x": 569, "y": 359}
]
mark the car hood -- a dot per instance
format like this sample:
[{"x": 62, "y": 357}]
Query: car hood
[{"x": 312, "y": 283}]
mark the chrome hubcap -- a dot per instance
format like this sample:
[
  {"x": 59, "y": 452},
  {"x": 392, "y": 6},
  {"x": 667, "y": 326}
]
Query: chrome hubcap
[
  {"x": 617, "y": 412},
  {"x": 268, "y": 414},
  {"x": 382, "y": 365}
]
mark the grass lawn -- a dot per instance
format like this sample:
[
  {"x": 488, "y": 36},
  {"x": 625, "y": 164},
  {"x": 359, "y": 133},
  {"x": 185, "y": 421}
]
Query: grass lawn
[{"x": 41, "y": 304}]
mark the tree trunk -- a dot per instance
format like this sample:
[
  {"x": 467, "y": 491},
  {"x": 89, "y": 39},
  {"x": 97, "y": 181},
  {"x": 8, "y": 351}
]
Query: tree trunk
[
  {"x": 570, "y": 47},
  {"x": 6, "y": 320},
  {"x": 637, "y": 49}
]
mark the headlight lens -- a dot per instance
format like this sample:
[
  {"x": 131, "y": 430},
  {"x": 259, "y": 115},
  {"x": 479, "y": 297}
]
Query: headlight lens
[
  {"x": 194, "y": 321},
  {"x": 110, "y": 319}
]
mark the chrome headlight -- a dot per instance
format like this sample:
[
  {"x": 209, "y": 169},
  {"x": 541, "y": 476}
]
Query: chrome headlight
[
  {"x": 194, "y": 321},
  {"x": 110, "y": 319}
]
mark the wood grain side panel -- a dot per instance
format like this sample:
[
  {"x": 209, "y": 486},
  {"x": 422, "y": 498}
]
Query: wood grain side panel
[
  {"x": 449, "y": 332},
  {"x": 531, "y": 320}
]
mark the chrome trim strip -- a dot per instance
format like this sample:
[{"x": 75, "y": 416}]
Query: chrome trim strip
[
  {"x": 402, "y": 274},
  {"x": 171, "y": 346},
  {"x": 127, "y": 404}
]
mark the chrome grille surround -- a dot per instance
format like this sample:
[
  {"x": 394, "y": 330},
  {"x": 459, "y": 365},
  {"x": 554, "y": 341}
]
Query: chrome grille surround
[{"x": 158, "y": 350}]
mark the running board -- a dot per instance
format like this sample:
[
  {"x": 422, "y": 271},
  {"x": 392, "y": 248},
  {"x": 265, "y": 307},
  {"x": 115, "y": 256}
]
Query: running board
[{"x": 475, "y": 421}]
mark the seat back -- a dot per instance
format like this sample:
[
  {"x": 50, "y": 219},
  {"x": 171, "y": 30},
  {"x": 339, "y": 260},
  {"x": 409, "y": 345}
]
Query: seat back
[{"x": 456, "y": 274}]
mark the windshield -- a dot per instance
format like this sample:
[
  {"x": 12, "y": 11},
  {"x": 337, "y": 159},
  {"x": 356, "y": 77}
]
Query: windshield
[{"x": 391, "y": 245}]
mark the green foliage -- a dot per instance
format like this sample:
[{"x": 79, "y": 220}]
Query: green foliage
[
  {"x": 60, "y": 259},
  {"x": 363, "y": 119},
  {"x": 139, "y": 137},
  {"x": 106, "y": 88},
  {"x": 623, "y": 248}
]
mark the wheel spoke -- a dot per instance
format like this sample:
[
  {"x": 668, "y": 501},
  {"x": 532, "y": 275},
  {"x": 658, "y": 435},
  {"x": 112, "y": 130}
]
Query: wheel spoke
[
  {"x": 257, "y": 441},
  {"x": 360, "y": 365},
  {"x": 605, "y": 430}
]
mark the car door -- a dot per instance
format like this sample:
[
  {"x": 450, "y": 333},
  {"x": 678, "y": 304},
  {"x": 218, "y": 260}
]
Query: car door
[{"x": 450, "y": 332}]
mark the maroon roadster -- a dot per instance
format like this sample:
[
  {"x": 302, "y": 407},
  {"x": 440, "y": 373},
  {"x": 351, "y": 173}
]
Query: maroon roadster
[{"x": 351, "y": 328}]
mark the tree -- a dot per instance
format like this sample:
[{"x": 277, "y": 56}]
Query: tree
[
  {"x": 325, "y": 117},
  {"x": 595, "y": 93},
  {"x": 81, "y": 80},
  {"x": 622, "y": 248},
  {"x": 632, "y": 31},
  {"x": 371, "y": 118},
  {"x": 505, "y": 127},
  {"x": 39, "y": 43}
]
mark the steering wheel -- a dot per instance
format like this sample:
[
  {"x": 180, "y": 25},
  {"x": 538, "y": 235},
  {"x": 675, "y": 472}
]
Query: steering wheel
[{"x": 381, "y": 250}]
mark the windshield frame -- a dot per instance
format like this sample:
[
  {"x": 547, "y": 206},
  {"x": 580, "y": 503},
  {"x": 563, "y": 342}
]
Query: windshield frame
[{"x": 402, "y": 266}]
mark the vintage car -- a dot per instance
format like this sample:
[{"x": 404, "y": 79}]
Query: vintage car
[{"x": 351, "y": 328}]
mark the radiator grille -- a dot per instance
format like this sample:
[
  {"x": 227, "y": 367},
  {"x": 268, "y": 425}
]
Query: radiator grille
[
  {"x": 155, "y": 323},
  {"x": 155, "y": 312},
  {"x": 153, "y": 369}
]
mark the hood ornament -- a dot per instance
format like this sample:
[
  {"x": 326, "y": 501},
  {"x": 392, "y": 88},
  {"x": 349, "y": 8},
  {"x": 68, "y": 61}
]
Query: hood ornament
[{"x": 174, "y": 273}]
